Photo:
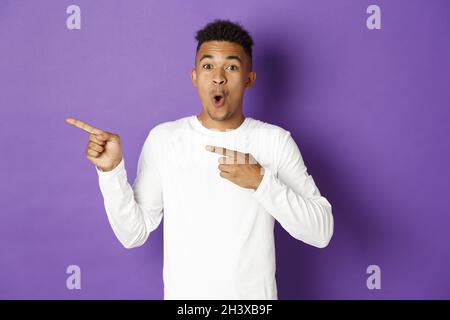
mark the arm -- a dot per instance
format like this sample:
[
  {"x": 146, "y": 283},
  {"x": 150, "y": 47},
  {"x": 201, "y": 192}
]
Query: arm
[
  {"x": 293, "y": 199},
  {"x": 134, "y": 211}
]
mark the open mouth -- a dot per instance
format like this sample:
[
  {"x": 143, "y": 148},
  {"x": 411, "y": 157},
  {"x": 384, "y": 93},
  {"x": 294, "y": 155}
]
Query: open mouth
[{"x": 218, "y": 100}]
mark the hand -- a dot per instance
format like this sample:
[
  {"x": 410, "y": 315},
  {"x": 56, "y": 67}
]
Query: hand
[
  {"x": 103, "y": 148},
  {"x": 240, "y": 168}
]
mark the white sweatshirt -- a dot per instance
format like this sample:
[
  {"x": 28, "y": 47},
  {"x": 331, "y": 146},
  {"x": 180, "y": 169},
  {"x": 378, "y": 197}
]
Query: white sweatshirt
[{"x": 218, "y": 236}]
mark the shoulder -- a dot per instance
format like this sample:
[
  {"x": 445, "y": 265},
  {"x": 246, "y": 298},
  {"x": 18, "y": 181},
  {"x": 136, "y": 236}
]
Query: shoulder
[
  {"x": 276, "y": 139},
  {"x": 268, "y": 130},
  {"x": 165, "y": 130}
]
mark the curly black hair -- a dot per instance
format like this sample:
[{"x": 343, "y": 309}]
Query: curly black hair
[{"x": 225, "y": 30}]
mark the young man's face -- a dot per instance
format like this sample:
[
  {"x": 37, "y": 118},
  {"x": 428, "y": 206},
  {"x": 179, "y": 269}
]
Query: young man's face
[{"x": 222, "y": 70}]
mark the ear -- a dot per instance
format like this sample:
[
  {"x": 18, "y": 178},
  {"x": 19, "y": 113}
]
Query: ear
[
  {"x": 194, "y": 77},
  {"x": 250, "y": 79}
]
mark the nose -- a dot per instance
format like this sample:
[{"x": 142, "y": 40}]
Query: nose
[{"x": 218, "y": 78}]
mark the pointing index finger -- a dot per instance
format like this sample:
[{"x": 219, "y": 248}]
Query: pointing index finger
[
  {"x": 224, "y": 151},
  {"x": 83, "y": 126}
]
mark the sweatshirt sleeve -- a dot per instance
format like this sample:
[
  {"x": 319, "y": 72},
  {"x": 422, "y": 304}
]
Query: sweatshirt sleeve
[
  {"x": 134, "y": 211},
  {"x": 293, "y": 199}
]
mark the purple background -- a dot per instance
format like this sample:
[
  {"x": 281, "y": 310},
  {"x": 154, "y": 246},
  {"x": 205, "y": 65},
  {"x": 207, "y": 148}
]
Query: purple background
[{"x": 369, "y": 110}]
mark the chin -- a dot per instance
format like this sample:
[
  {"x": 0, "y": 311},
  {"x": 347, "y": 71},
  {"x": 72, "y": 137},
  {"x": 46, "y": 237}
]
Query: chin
[{"x": 218, "y": 116}]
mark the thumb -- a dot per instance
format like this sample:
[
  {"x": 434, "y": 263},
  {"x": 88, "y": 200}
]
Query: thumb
[{"x": 105, "y": 136}]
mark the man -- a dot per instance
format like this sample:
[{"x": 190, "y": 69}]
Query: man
[{"x": 221, "y": 180}]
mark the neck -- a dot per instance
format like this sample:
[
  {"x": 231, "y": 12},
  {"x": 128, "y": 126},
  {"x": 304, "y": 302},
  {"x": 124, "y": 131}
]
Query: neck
[{"x": 221, "y": 125}]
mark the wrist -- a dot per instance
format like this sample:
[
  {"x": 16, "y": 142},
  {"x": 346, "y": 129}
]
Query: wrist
[
  {"x": 110, "y": 168},
  {"x": 259, "y": 180}
]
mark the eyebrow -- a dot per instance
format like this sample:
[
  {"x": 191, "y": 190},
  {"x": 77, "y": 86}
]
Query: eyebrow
[{"x": 205, "y": 56}]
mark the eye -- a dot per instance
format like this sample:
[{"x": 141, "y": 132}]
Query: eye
[
  {"x": 233, "y": 67},
  {"x": 207, "y": 65}
]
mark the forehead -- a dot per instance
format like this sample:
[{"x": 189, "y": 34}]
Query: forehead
[{"x": 221, "y": 49}]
